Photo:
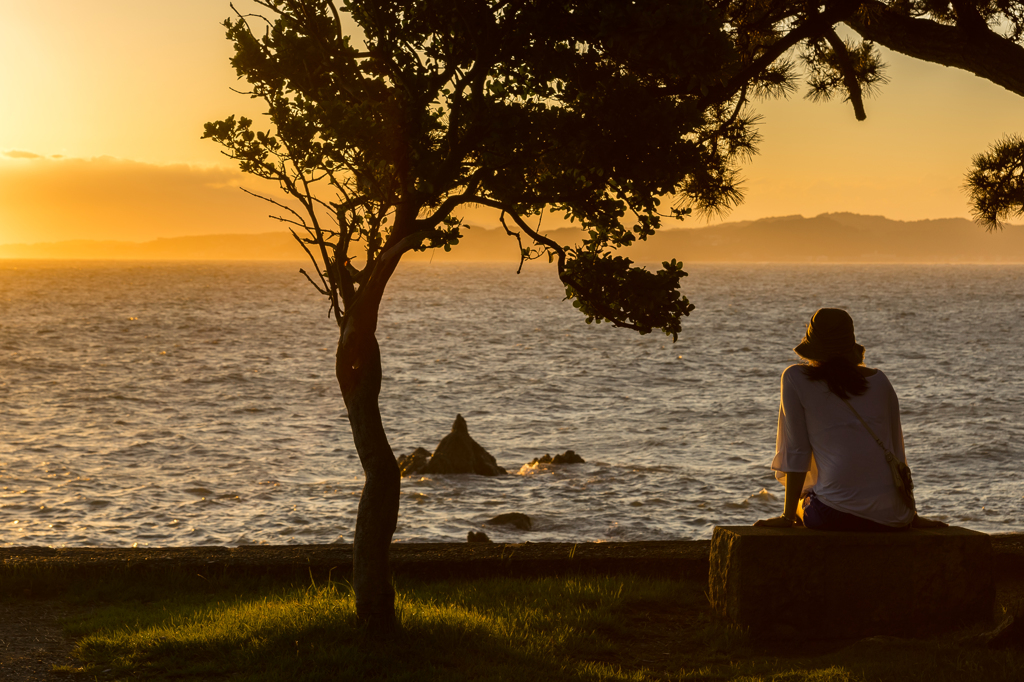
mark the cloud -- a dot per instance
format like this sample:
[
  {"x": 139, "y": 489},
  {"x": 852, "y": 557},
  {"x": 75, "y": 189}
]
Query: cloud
[
  {"x": 48, "y": 199},
  {"x": 16, "y": 154}
]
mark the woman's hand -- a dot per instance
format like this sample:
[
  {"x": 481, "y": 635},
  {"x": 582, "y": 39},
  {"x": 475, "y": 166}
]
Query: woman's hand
[
  {"x": 777, "y": 522},
  {"x": 922, "y": 522}
]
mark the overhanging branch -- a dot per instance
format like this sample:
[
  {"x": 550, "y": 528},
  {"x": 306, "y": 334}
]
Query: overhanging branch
[
  {"x": 593, "y": 300},
  {"x": 811, "y": 27},
  {"x": 849, "y": 73},
  {"x": 982, "y": 52}
]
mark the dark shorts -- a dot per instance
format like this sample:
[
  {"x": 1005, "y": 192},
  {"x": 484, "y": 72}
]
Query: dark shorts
[{"x": 820, "y": 516}]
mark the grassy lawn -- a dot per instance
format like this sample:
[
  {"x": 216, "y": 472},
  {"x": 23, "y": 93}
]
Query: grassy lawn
[{"x": 186, "y": 627}]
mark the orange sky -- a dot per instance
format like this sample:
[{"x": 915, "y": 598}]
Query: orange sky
[{"x": 103, "y": 106}]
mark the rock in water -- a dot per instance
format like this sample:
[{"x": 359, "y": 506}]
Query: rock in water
[
  {"x": 457, "y": 453},
  {"x": 568, "y": 457},
  {"x": 474, "y": 536},
  {"x": 413, "y": 463},
  {"x": 520, "y": 521}
]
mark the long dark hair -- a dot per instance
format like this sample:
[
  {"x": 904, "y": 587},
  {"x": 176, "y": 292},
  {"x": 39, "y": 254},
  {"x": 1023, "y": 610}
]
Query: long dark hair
[{"x": 841, "y": 375}]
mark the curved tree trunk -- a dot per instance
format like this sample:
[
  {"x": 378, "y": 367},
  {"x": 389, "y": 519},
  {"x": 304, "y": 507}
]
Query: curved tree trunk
[{"x": 359, "y": 375}]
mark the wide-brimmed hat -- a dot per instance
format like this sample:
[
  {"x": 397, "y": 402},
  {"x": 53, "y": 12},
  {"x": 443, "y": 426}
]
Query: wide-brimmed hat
[{"x": 829, "y": 334}]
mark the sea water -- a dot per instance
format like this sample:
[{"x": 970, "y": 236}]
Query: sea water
[{"x": 168, "y": 404}]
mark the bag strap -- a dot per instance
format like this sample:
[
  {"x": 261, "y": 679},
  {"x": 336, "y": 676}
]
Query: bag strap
[
  {"x": 903, "y": 485},
  {"x": 888, "y": 455}
]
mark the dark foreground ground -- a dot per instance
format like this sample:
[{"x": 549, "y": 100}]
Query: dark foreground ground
[{"x": 32, "y": 641}]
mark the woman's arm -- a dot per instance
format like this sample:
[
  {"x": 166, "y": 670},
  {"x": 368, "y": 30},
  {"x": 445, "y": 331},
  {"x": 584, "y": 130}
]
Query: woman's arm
[
  {"x": 794, "y": 487},
  {"x": 793, "y": 450}
]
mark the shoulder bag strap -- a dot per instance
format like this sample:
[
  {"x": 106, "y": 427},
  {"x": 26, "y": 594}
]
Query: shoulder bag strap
[
  {"x": 888, "y": 455},
  {"x": 900, "y": 471}
]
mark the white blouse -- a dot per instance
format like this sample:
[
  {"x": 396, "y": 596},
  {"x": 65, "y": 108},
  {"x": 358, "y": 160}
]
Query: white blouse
[{"x": 820, "y": 435}]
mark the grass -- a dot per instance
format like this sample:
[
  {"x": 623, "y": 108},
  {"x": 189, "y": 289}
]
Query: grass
[{"x": 184, "y": 627}]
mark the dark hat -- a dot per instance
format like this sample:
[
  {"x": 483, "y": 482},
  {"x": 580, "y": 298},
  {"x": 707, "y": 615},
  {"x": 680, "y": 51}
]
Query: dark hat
[{"x": 829, "y": 333}]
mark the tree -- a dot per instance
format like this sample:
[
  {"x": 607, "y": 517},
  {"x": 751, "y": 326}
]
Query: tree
[
  {"x": 980, "y": 36},
  {"x": 572, "y": 106},
  {"x": 984, "y": 37}
]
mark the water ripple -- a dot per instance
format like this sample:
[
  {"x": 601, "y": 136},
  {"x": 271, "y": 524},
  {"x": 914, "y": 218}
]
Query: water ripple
[{"x": 156, "y": 407}]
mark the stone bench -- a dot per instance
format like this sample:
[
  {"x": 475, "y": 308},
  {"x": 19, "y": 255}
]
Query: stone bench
[{"x": 823, "y": 585}]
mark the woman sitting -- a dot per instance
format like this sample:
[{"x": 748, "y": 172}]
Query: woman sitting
[{"x": 835, "y": 418}]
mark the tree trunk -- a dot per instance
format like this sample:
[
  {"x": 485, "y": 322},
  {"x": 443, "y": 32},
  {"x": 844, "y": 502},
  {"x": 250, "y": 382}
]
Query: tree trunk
[{"x": 359, "y": 375}]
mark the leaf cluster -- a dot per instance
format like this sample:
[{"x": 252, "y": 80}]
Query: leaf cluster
[
  {"x": 598, "y": 110},
  {"x": 830, "y": 65},
  {"x": 996, "y": 182},
  {"x": 641, "y": 297}
]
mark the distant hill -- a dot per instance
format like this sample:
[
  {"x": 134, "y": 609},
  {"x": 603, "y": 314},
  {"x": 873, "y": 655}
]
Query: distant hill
[
  {"x": 838, "y": 238},
  {"x": 827, "y": 238}
]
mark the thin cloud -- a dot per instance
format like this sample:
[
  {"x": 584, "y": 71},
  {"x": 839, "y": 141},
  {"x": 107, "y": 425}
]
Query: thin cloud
[
  {"x": 17, "y": 154},
  {"x": 47, "y": 200}
]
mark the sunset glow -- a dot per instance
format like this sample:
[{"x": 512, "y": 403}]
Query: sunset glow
[
  {"x": 101, "y": 122},
  {"x": 490, "y": 340}
]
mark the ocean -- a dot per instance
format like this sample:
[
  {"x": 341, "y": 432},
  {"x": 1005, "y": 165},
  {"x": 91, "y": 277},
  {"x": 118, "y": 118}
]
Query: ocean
[{"x": 182, "y": 404}]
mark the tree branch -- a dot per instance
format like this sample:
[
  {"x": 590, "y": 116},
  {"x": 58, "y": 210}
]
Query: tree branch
[
  {"x": 284, "y": 207},
  {"x": 519, "y": 239},
  {"x": 605, "y": 311},
  {"x": 983, "y": 53},
  {"x": 814, "y": 26},
  {"x": 849, "y": 73}
]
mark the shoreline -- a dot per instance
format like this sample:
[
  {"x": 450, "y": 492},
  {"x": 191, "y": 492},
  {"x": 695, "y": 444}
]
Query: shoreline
[{"x": 431, "y": 561}]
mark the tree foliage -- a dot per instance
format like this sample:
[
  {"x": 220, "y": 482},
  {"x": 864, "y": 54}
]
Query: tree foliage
[
  {"x": 996, "y": 182},
  {"x": 985, "y": 37},
  {"x": 611, "y": 113},
  {"x": 573, "y": 107}
]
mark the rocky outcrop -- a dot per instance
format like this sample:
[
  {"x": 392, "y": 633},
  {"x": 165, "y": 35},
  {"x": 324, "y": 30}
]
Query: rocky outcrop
[
  {"x": 476, "y": 536},
  {"x": 568, "y": 457},
  {"x": 457, "y": 453},
  {"x": 520, "y": 521},
  {"x": 414, "y": 462}
]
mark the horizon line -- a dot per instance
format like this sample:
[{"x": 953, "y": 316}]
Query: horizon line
[{"x": 484, "y": 227}]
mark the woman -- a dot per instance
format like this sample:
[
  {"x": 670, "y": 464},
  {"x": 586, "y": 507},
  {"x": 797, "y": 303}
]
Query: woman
[{"x": 824, "y": 454}]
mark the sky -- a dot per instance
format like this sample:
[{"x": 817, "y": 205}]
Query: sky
[{"x": 102, "y": 106}]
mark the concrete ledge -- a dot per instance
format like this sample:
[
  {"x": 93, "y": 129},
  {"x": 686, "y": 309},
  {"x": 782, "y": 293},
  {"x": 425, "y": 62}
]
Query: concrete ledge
[
  {"x": 428, "y": 561},
  {"x": 667, "y": 559},
  {"x": 799, "y": 582}
]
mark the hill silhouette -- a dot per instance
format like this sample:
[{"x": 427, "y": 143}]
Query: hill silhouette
[
  {"x": 827, "y": 238},
  {"x": 838, "y": 238}
]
